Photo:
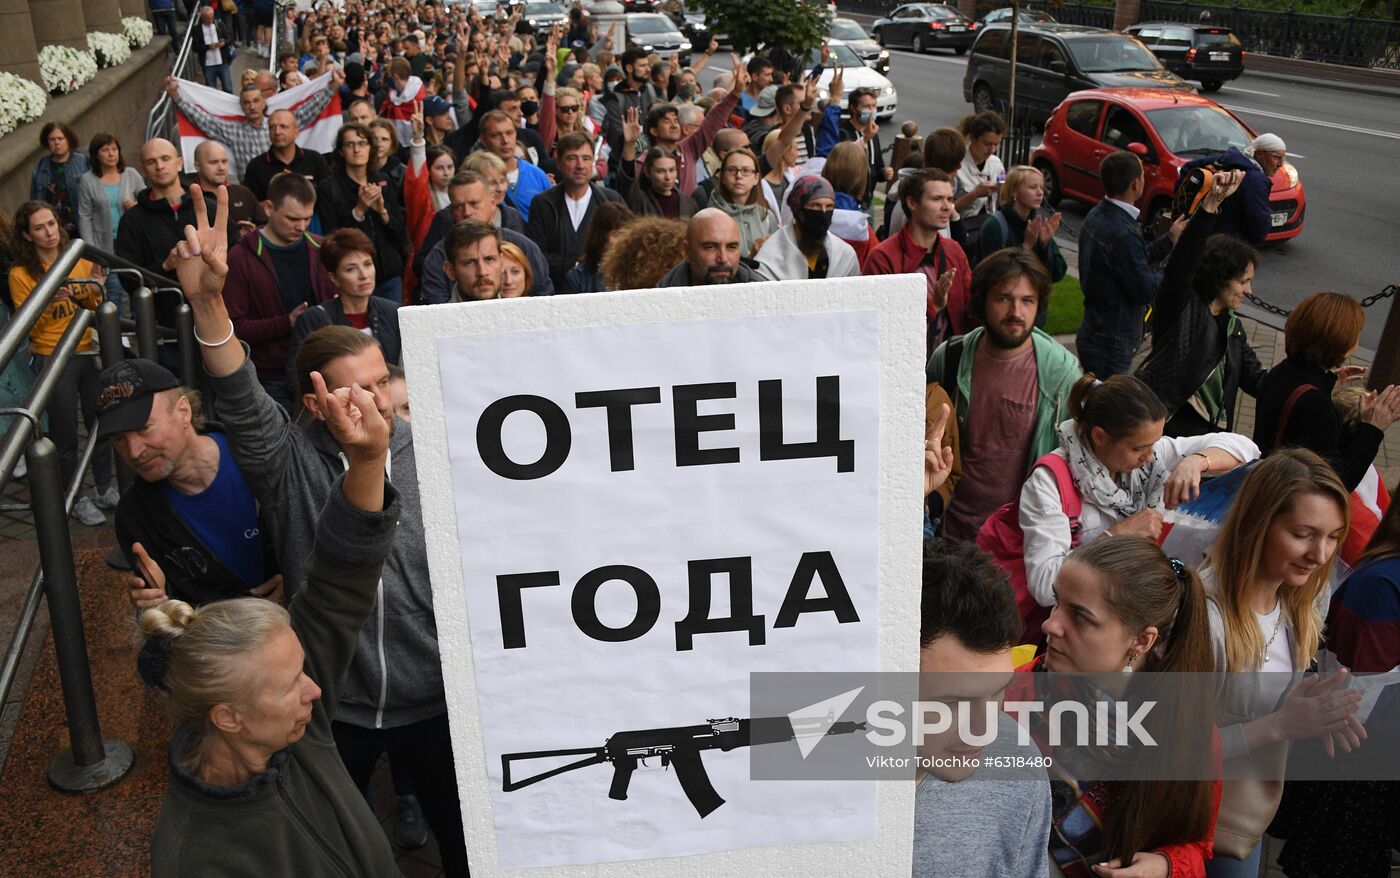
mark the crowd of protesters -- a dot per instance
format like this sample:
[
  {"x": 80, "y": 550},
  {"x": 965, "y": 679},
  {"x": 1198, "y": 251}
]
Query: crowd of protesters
[{"x": 479, "y": 159}]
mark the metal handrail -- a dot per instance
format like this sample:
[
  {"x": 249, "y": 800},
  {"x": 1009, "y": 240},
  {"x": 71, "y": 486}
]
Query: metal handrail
[
  {"x": 161, "y": 118},
  {"x": 90, "y": 763}
]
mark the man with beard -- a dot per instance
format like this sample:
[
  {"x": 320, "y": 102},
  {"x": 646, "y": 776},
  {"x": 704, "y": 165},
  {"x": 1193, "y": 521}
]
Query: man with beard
[
  {"x": 711, "y": 253},
  {"x": 1009, "y": 383},
  {"x": 473, "y": 261}
]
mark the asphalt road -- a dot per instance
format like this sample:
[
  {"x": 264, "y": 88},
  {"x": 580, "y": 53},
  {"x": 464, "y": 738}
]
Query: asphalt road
[{"x": 1344, "y": 144}]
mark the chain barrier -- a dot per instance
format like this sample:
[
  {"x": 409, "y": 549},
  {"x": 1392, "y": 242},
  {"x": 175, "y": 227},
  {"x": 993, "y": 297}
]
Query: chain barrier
[{"x": 1367, "y": 302}]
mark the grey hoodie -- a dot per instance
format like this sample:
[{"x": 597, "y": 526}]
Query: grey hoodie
[{"x": 396, "y": 676}]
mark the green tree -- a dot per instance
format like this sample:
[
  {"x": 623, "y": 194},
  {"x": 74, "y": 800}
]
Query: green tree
[{"x": 793, "y": 25}]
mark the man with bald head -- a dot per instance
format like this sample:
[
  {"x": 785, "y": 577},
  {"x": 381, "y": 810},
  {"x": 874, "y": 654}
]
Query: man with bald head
[
  {"x": 711, "y": 253},
  {"x": 266, "y": 83},
  {"x": 284, "y": 155},
  {"x": 211, "y": 172},
  {"x": 148, "y": 232}
]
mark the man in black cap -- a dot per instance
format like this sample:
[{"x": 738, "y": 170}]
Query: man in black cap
[
  {"x": 439, "y": 126},
  {"x": 189, "y": 524}
]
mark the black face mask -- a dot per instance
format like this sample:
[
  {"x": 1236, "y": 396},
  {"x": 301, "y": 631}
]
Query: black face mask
[
  {"x": 814, "y": 223},
  {"x": 529, "y": 108}
]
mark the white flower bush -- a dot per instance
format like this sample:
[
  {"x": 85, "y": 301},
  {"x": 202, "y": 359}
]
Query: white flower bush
[
  {"x": 138, "y": 31},
  {"x": 21, "y": 102},
  {"x": 65, "y": 69},
  {"x": 110, "y": 49}
]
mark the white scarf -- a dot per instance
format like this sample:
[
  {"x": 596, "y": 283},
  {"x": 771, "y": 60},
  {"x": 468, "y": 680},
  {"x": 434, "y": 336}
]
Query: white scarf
[{"x": 1097, "y": 485}]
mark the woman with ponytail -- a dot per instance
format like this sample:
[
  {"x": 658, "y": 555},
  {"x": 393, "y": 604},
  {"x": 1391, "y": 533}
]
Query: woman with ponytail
[
  {"x": 1122, "y": 607},
  {"x": 1124, "y": 471},
  {"x": 256, "y": 785},
  {"x": 1267, "y": 575}
]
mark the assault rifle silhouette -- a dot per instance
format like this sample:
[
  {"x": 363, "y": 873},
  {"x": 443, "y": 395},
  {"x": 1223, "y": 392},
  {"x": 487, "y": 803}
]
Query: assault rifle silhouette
[{"x": 680, "y": 748}]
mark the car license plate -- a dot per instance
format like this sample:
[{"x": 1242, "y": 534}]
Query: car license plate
[
  {"x": 956, "y": 28},
  {"x": 1280, "y": 219},
  {"x": 1220, "y": 56}
]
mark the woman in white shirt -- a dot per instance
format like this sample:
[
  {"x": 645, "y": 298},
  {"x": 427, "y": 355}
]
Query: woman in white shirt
[
  {"x": 1125, "y": 472},
  {"x": 1265, "y": 575},
  {"x": 981, "y": 173}
]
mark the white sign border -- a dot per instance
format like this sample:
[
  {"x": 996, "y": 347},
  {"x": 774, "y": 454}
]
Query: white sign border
[{"x": 900, "y": 301}]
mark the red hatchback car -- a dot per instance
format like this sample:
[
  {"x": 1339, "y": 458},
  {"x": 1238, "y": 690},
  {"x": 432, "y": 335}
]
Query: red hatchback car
[{"x": 1166, "y": 129}]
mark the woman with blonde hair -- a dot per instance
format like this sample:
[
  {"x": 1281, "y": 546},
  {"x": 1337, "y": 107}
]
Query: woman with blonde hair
[
  {"x": 848, "y": 171},
  {"x": 1267, "y": 575},
  {"x": 1023, "y": 221},
  {"x": 253, "y": 689},
  {"x": 516, "y": 276},
  {"x": 642, "y": 252}
]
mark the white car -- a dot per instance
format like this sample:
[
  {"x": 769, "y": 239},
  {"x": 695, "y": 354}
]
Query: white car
[{"x": 858, "y": 75}]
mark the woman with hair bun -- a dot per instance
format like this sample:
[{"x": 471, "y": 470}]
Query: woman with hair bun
[
  {"x": 1122, "y": 607},
  {"x": 1124, "y": 470},
  {"x": 256, "y": 785}
]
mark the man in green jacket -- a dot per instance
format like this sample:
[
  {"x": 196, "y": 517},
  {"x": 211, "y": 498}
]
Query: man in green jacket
[{"x": 1009, "y": 382}]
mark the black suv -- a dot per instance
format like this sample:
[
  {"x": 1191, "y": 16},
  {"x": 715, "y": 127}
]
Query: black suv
[
  {"x": 1053, "y": 60},
  {"x": 1206, "y": 53}
]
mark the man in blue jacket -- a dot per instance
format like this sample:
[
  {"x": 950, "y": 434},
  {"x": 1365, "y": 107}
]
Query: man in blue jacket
[
  {"x": 1116, "y": 269},
  {"x": 1247, "y": 212}
]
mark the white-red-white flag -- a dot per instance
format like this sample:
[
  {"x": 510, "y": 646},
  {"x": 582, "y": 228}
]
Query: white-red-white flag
[
  {"x": 398, "y": 107},
  {"x": 318, "y": 136}
]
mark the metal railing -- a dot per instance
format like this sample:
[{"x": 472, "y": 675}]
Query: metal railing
[
  {"x": 1334, "y": 39},
  {"x": 90, "y": 763},
  {"x": 160, "y": 122},
  {"x": 1086, "y": 14}
]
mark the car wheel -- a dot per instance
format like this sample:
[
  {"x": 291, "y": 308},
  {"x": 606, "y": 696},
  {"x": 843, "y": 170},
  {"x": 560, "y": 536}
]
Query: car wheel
[
  {"x": 982, "y": 99},
  {"x": 917, "y": 44},
  {"x": 960, "y": 50},
  {"x": 1211, "y": 84},
  {"x": 1159, "y": 216},
  {"x": 1052, "y": 182}
]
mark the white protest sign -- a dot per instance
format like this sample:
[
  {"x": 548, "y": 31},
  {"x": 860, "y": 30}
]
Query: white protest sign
[{"x": 634, "y": 500}]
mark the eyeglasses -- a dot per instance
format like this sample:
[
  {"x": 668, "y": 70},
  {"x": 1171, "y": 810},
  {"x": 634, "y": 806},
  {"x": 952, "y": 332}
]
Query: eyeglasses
[
  {"x": 355, "y": 144},
  {"x": 741, "y": 173},
  {"x": 571, "y": 108}
]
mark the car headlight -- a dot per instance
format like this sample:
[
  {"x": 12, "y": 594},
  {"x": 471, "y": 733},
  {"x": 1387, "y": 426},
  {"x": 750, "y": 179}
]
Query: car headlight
[
  {"x": 646, "y": 48},
  {"x": 1292, "y": 173},
  {"x": 884, "y": 53},
  {"x": 887, "y": 91},
  {"x": 685, "y": 45}
]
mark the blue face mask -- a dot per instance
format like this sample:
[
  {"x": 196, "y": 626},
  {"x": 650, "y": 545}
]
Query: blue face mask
[{"x": 865, "y": 116}]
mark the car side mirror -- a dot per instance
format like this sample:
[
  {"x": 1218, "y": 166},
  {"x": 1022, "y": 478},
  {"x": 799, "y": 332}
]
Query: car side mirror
[
  {"x": 1140, "y": 150},
  {"x": 1058, "y": 66}
]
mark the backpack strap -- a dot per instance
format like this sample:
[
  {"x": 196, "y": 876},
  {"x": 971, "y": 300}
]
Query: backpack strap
[
  {"x": 1069, "y": 492},
  {"x": 952, "y": 358},
  {"x": 1287, "y": 412},
  {"x": 1004, "y": 227}
]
